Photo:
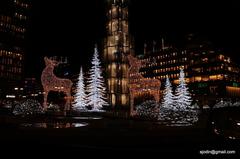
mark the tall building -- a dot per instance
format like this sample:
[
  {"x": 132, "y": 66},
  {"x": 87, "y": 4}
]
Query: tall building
[
  {"x": 14, "y": 15},
  {"x": 117, "y": 44}
]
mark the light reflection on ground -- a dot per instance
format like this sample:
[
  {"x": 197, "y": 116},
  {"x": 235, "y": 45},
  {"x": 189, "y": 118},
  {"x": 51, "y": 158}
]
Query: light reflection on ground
[
  {"x": 80, "y": 118},
  {"x": 55, "y": 125},
  {"x": 175, "y": 124},
  {"x": 231, "y": 132}
]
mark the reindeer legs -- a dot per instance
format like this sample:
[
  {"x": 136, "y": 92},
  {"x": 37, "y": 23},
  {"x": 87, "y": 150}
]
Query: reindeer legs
[{"x": 45, "y": 100}]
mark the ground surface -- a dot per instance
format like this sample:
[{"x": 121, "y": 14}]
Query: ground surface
[{"x": 107, "y": 137}]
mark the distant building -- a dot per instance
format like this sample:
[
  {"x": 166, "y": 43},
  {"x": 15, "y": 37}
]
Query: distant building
[
  {"x": 31, "y": 88},
  {"x": 117, "y": 44},
  {"x": 209, "y": 72},
  {"x": 14, "y": 15}
]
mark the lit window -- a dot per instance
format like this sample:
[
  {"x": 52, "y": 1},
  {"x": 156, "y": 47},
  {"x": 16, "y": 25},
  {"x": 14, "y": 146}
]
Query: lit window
[
  {"x": 113, "y": 99},
  {"x": 199, "y": 78},
  {"x": 221, "y": 57},
  {"x": 205, "y": 78},
  {"x": 124, "y": 99}
]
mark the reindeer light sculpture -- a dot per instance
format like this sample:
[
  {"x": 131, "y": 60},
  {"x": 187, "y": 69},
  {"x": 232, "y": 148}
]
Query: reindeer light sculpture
[
  {"x": 139, "y": 85},
  {"x": 50, "y": 82}
]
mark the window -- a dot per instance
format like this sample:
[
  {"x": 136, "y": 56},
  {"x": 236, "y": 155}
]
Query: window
[
  {"x": 113, "y": 70},
  {"x": 124, "y": 99},
  {"x": 113, "y": 99},
  {"x": 198, "y": 78}
]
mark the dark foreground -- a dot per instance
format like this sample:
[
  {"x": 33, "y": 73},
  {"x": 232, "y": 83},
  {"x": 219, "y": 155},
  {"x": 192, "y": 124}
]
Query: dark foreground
[{"x": 109, "y": 137}]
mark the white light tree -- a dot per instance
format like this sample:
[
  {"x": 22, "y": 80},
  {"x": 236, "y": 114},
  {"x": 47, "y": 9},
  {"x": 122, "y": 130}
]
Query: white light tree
[
  {"x": 96, "y": 90},
  {"x": 168, "y": 97},
  {"x": 183, "y": 98},
  {"x": 181, "y": 112},
  {"x": 80, "y": 98},
  {"x": 167, "y": 110}
]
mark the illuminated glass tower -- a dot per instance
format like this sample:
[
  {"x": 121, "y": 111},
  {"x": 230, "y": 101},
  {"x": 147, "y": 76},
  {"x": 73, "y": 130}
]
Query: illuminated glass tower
[{"x": 117, "y": 44}]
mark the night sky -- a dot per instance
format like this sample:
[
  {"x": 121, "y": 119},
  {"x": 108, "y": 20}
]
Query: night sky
[{"x": 71, "y": 28}]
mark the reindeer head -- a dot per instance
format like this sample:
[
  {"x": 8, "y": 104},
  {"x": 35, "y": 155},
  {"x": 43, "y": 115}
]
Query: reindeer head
[
  {"x": 50, "y": 62},
  {"x": 133, "y": 61}
]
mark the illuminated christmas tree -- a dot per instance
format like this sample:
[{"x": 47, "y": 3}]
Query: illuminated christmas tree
[
  {"x": 180, "y": 112},
  {"x": 168, "y": 97},
  {"x": 96, "y": 88},
  {"x": 182, "y": 96},
  {"x": 80, "y": 102}
]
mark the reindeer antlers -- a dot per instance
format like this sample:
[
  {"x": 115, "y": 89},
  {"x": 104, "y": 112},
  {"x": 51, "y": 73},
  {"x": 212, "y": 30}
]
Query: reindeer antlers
[
  {"x": 46, "y": 60},
  {"x": 50, "y": 61}
]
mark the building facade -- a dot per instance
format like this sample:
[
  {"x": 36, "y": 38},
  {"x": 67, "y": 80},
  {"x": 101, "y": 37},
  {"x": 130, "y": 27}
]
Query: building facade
[
  {"x": 14, "y": 15},
  {"x": 117, "y": 45},
  {"x": 210, "y": 74}
]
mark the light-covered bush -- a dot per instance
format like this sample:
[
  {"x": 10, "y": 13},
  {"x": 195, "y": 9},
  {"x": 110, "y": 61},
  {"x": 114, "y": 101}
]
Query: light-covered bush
[{"x": 28, "y": 107}]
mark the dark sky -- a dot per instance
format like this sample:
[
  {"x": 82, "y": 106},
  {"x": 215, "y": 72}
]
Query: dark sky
[{"x": 71, "y": 28}]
